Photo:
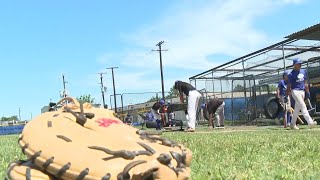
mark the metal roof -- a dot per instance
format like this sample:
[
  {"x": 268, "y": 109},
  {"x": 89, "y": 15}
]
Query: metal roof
[
  {"x": 243, "y": 58},
  {"x": 289, "y": 47},
  {"x": 310, "y": 33}
]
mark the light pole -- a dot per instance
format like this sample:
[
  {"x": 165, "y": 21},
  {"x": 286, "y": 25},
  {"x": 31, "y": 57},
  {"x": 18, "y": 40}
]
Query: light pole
[{"x": 114, "y": 89}]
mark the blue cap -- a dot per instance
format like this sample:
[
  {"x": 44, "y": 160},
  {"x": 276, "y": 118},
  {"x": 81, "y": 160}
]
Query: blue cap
[
  {"x": 297, "y": 61},
  {"x": 161, "y": 102},
  {"x": 203, "y": 106}
]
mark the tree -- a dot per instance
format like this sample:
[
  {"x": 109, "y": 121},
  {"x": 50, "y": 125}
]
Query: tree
[
  {"x": 85, "y": 98},
  {"x": 152, "y": 99},
  {"x": 9, "y": 118},
  {"x": 273, "y": 88},
  {"x": 238, "y": 88},
  {"x": 172, "y": 93}
]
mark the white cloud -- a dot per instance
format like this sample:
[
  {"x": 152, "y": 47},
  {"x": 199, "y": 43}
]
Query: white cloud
[
  {"x": 192, "y": 31},
  {"x": 293, "y": 1}
]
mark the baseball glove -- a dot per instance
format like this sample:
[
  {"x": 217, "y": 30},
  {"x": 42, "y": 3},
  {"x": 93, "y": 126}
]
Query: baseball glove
[{"x": 79, "y": 141}]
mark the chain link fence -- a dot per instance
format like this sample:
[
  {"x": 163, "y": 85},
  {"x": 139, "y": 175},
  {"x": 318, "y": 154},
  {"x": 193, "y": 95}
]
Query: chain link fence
[{"x": 136, "y": 105}]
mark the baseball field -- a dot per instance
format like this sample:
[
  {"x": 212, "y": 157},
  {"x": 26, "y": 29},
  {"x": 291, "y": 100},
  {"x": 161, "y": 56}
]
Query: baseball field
[{"x": 244, "y": 152}]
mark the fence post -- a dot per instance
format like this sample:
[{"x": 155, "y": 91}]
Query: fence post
[
  {"x": 110, "y": 102},
  {"x": 232, "y": 101},
  {"x": 122, "y": 105}
]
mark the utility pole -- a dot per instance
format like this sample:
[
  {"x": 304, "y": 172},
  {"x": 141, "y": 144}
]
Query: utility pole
[
  {"x": 64, "y": 94},
  {"x": 19, "y": 114},
  {"x": 114, "y": 89},
  {"x": 102, "y": 89},
  {"x": 64, "y": 86},
  {"x": 160, "y": 50}
]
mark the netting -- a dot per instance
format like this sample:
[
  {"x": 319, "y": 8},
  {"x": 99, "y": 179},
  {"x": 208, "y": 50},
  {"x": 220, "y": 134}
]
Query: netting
[{"x": 248, "y": 84}]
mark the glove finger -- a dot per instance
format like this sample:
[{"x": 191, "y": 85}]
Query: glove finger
[{"x": 26, "y": 170}]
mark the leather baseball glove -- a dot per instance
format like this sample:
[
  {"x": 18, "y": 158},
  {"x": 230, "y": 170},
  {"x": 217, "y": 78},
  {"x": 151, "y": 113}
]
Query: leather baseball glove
[{"x": 79, "y": 141}]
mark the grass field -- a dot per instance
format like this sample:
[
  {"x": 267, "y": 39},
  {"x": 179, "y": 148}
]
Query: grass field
[{"x": 233, "y": 153}]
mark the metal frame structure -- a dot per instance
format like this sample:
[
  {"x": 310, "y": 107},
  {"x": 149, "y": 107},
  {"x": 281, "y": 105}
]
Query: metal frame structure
[{"x": 265, "y": 66}]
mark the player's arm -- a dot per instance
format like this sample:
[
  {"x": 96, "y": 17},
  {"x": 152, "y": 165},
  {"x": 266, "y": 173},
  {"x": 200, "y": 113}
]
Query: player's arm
[
  {"x": 211, "y": 119},
  {"x": 278, "y": 92},
  {"x": 307, "y": 91},
  {"x": 181, "y": 96},
  {"x": 306, "y": 86},
  {"x": 288, "y": 91}
]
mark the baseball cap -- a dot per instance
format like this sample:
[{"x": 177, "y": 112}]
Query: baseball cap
[
  {"x": 176, "y": 84},
  {"x": 297, "y": 61},
  {"x": 161, "y": 102},
  {"x": 203, "y": 106}
]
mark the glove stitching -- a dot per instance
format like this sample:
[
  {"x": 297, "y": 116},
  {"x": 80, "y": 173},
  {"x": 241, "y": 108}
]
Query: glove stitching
[
  {"x": 47, "y": 163},
  {"x": 28, "y": 174},
  {"x": 64, "y": 138},
  {"x": 63, "y": 169},
  {"x": 83, "y": 174}
]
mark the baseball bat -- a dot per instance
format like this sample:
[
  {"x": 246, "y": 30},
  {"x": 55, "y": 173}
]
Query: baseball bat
[{"x": 300, "y": 120}]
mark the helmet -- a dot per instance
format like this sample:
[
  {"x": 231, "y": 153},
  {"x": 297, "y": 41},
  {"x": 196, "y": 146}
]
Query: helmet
[
  {"x": 203, "y": 106},
  {"x": 161, "y": 102}
]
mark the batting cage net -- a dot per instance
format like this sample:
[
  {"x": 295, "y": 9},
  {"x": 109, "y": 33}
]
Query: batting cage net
[{"x": 248, "y": 84}]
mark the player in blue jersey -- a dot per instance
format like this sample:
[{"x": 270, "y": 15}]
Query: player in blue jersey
[
  {"x": 299, "y": 89},
  {"x": 155, "y": 110},
  {"x": 284, "y": 99}
]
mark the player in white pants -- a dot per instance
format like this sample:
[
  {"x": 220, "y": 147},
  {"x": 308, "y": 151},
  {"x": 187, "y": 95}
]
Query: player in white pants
[
  {"x": 298, "y": 88},
  {"x": 193, "y": 101}
]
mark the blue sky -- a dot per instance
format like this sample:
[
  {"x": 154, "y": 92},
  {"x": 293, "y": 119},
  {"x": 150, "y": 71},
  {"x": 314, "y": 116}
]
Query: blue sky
[{"x": 41, "y": 40}]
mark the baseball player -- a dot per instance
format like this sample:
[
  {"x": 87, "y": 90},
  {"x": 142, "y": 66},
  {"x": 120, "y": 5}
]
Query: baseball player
[
  {"x": 193, "y": 100},
  {"x": 298, "y": 88},
  {"x": 214, "y": 109},
  {"x": 155, "y": 111},
  {"x": 284, "y": 99}
]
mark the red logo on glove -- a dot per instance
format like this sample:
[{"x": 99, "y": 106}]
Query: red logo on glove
[{"x": 104, "y": 122}]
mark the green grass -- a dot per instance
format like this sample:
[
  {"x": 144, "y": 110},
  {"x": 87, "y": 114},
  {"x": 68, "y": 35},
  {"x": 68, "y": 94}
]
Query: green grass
[
  {"x": 262, "y": 153},
  {"x": 9, "y": 151}
]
